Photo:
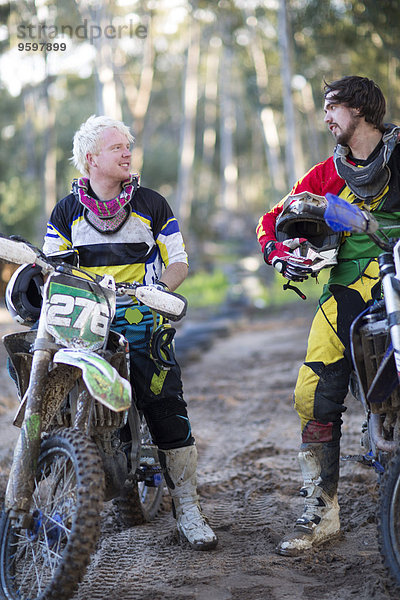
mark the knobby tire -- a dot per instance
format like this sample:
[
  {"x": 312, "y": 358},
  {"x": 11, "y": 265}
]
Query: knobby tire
[
  {"x": 139, "y": 503},
  {"x": 389, "y": 518},
  {"x": 48, "y": 561}
]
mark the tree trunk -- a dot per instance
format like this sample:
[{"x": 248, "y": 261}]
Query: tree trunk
[
  {"x": 229, "y": 170},
  {"x": 138, "y": 98},
  {"x": 210, "y": 121},
  {"x": 288, "y": 107},
  {"x": 184, "y": 191},
  {"x": 107, "y": 100},
  {"x": 50, "y": 154},
  {"x": 49, "y": 157},
  {"x": 270, "y": 131},
  {"x": 310, "y": 111}
]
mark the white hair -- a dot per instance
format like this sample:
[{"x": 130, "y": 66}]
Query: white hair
[{"x": 87, "y": 138}]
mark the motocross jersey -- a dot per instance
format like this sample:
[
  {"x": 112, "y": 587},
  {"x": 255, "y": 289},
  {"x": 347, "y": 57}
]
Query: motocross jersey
[
  {"x": 323, "y": 178},
  {"x": 149, "y": 239},
  {"x": 354, "y": 283}
]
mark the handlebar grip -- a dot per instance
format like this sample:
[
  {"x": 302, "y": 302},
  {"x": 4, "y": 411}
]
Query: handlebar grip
[{"x": 21, "y": 252}]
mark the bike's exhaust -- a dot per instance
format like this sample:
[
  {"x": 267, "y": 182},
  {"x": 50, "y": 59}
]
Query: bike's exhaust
[{"x": 377, "y": 438}]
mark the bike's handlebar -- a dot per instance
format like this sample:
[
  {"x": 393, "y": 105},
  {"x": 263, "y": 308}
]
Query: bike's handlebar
[
  {"x": 340, "y": 215},
  {"x": 169, "y": 304},
  {"x": 19, "y": 252}
]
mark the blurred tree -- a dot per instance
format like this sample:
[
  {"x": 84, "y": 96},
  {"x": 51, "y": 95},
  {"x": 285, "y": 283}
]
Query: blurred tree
[
  {"x": 184, "y": 192},
  {"x": 100, "y": 13},
  {"x": 266, "y": 113},
  {"x": 138, "y": 94},
  {"x": 218, "y": 96}
]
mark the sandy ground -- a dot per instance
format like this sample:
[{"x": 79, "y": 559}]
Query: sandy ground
[{"x": 240, "y": 403}]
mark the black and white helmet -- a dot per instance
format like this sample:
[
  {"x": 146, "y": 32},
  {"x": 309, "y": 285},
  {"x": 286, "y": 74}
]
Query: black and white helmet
[
  {"x": 24, "y": 294},
  {"x": 303, "y": 217}
]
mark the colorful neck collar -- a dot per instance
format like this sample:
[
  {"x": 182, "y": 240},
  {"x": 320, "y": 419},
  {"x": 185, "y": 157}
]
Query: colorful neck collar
[{"x": 108, "y": 208}]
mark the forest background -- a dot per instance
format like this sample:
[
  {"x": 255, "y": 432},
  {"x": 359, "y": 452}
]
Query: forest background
[{"x": 223, "y": 97}]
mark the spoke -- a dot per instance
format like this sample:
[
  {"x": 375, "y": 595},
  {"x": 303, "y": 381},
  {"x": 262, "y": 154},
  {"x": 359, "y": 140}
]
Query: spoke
[
  {"x": 38, "y": 569},
  {"x": 30, "y": 567},
  {"x": 36, "y": 560},
  {"x": 51, "y": 482},
  {"x": 21, "y": 556},
  {"x": 61, "y": 495}
]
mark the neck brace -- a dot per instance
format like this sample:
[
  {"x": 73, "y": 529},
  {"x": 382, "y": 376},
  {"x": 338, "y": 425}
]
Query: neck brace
[
  {"x": 106, "y": 216},
  {"x": 369, "y": 181}
]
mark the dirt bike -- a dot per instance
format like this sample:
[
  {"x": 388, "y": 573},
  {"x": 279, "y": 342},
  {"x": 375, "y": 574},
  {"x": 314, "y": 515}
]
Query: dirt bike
[
  {"x": 82, "y": 439},
  {"x": 375, "y": 349}
]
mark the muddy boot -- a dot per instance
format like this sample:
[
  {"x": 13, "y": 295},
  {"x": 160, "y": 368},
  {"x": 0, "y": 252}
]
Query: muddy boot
[
  {"x": 319, "y": 522},
  {"x": 180, "y": 466}
]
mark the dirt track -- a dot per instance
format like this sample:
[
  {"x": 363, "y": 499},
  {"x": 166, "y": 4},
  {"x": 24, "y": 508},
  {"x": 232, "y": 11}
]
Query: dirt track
[{"x": 240, "y": 404}]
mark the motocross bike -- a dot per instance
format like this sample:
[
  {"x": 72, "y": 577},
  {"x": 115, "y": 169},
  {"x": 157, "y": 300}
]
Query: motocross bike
[
  {"x": 375, "y": 350},
  {"x": 82, "y": 440}
]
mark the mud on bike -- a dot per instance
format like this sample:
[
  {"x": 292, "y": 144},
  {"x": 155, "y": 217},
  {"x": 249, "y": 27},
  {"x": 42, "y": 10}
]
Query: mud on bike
[
  {"x": 82, "y": 440},
  {"x": 375, "y": 381}
]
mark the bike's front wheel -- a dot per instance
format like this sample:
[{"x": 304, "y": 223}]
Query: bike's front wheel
[
  {"x": 389, "y": 517},
  {"x": 48, "y": 560}
]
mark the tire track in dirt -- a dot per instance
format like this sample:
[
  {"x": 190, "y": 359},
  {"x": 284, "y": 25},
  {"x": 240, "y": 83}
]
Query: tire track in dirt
[{"x": 240, "y": 403}]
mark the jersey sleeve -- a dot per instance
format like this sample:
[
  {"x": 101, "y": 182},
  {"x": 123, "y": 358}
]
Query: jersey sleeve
[
  {"x": 319, "y": 180},
  {"x": 167, "y": 234},
  {"x": 58, "y": 233}
]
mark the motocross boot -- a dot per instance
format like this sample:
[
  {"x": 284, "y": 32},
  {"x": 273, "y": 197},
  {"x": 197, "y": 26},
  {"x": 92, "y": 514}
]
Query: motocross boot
[
  {"x": 319, "y": 522},
  {"x": 180, "y": 466}
]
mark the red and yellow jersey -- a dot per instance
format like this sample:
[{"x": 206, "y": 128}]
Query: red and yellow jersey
[{"x": 323, "y": 178}]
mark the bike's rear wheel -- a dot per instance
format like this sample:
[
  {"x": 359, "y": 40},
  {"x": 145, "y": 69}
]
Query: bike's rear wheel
[
  {"x": 140, "y": 502},
  {"x": 389, "y": 517},
  {"x": 49, "y": 559}
]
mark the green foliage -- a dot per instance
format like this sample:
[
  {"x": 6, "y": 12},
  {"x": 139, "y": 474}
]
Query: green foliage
[
  {"x": 160, "y": 164},
  {"x": 330, "y": 38},
  {"x": 205, "y": 289},
  {"x": 274, "y": 294},
  {"x": 346, "y": 37},
  {"x": 18, "y": 207}
]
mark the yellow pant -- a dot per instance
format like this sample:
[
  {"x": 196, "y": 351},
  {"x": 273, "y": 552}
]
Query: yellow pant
[{"x": 323, "y": 379}]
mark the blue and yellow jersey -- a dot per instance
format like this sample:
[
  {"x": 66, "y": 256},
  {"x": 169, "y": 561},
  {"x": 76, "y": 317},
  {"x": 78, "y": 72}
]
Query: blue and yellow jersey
[{"x": 149, "y": 239}]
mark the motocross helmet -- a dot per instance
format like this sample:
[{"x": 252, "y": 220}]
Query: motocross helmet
[
  {"x": 24, "y": 294},
  {"x": 303, "y": 217}
]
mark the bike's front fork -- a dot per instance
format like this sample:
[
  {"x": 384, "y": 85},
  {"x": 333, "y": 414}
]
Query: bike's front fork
[{"x": 20, "y": 485}]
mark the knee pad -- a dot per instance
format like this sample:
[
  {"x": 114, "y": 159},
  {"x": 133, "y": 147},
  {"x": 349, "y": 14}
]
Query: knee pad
[{"x": 169, "y": 423}]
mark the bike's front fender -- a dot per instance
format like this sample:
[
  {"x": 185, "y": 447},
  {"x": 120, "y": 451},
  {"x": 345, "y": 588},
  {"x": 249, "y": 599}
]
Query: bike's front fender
[{"x": 102, "y": 381}]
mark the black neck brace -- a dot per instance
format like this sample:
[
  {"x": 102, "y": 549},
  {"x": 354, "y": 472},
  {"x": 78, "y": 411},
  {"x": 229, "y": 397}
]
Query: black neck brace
[{"x": 369, "y": 181}]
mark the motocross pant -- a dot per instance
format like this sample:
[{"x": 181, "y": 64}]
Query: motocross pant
[
  {"x": 158, "y": 392},
  {"x": 323, "y": 379}
]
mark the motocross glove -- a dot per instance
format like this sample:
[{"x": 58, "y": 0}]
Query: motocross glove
[
  {"x": 160, "y": 285},
  {"x": 279, "y": 255}
]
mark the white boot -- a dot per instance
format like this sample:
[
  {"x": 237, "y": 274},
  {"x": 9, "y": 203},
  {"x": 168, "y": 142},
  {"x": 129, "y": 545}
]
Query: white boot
[
  {"x": 320, "y": 520},
  {"x": 180, "y": 466}
]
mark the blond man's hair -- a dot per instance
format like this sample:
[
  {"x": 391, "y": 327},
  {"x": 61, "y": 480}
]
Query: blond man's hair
[{"x": 87, "y": 139}]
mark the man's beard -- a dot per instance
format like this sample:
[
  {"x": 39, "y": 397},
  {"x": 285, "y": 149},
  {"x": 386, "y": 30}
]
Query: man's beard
[{"x": 345, "y": 136}]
